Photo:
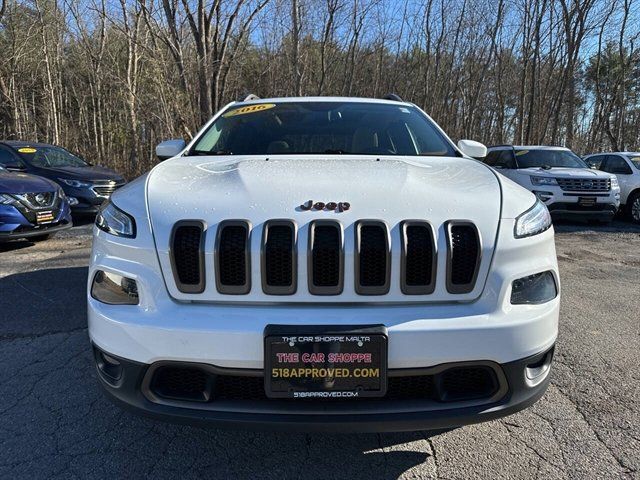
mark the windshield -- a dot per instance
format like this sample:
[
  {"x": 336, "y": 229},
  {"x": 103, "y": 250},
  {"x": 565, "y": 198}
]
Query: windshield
[
  {"x": 322, "y": 128},
  {"x": 50, "y": 157},
  {"x": 548, "y": 159},
  {"x": 635, "y": 159}
]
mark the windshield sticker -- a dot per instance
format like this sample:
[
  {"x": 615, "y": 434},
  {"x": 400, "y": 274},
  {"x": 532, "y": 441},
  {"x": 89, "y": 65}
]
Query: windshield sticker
[
  {"x": 27, "y": 150},
  {"x": 521, "y": 152},
  {"x": 249, "y": 109}
]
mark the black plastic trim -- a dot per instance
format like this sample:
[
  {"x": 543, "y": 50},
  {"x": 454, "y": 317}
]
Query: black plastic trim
[
  {"x": 417, "y": 289},
  {"x": 234, "y": 289},
  {"x": 322, "y": 290},
  {"x": 521, "y": 393},
  {"x": 462, "y": 287},
  {"x": 279, "y": 290},
  {"x": 185, "y": 287},
  {"x": 377, "y": 289}
]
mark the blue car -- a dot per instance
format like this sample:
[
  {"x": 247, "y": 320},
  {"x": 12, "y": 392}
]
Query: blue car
[
  {"x": 31, "y": 207},
  {"x": 87, "y": 186}
]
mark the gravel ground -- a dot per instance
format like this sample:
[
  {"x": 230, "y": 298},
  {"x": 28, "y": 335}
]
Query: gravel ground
[{"x": 55, "y": 422}]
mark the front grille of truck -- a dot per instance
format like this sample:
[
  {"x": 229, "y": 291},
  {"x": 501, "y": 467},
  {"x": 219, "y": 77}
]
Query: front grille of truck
[
  {"x": 104, "y": 188},
  {"x": 584, "y": 184},
  {"x": 325, "y": 257},
  {"x": 443, "y": 384}
]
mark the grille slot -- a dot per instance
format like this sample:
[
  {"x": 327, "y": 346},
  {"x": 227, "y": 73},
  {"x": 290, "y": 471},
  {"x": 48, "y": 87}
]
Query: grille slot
[
  {"x": 463, "y": 256},
  {"x": 585, "y": 184},
  {"x": 279, "y": 258},
  {"x": 418, "y": 268},
  {"x": 187, "y": 256},
  {"x": 467, "y": 383},
  {"x": 372, "y": 259},
  {"x": 326, "y": 258},
  {"x": 233, "y": 264}
]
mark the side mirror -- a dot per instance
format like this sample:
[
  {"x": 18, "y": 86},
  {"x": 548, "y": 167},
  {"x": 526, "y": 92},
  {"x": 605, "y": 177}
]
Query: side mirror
[
  {"x": 169, "y": 148},
  {"x": 15, "y": 167},
  {"x": 472, "y": 148}
]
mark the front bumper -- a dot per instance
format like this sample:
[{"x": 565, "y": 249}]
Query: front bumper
[
  {"x": 522, "y": 383},
  {"x": 20, "y": 223}
]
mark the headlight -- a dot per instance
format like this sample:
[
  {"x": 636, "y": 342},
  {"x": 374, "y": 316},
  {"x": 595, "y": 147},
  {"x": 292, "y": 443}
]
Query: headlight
[
  {"x": 7, "y": 199},
  {"x": 614, "y": 182},
  {"x": 74, "y": 183},
  {"x": 114, "y": 289},
  {"x": 543, "y": 180},
  {"x": 61, "y": 194},
  {"x": 116, "y": 222},
  {"x": 535, "y": 220}
]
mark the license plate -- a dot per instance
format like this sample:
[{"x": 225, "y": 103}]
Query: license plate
[
  {"x": 587, "y": 201},
  {"x": 325, "y": 362},
  {"x": 45, "y": 217}
]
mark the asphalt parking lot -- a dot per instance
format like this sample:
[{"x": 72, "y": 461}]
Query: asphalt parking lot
[{"x": 55, "y": 422}]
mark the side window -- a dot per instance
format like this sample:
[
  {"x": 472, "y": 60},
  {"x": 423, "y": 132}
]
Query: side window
[
  {"x": 616, "y": 164},
  {"x": 595, "y": 162},
  {"x": 505, "y": 159},
  {"x": 8, "y": 159},
  {"x": 491, "y": 158}
]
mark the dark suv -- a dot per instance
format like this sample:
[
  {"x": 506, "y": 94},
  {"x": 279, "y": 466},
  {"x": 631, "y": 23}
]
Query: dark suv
[{"x": 87, "y": 186}]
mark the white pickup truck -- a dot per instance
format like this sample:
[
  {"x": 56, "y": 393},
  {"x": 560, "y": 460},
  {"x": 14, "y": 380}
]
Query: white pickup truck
[
  {"x": 626, "y": 167},
  {"x": 560, "y": 179}
]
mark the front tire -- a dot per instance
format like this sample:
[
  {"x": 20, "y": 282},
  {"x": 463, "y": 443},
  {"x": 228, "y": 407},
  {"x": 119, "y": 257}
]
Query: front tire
[{"x": 633, "y": 207}]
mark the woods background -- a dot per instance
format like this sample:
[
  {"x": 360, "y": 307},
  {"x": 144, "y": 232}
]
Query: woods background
[{"x": 110, "y": 79}]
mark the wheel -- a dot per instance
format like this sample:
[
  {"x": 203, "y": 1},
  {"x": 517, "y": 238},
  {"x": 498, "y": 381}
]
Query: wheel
[
  {"x": 633, "y": 207},
  {"x": 40, "y": 238}
]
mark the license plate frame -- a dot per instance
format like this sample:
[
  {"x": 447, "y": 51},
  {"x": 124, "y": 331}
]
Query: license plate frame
[
  {"x": 334, "y": 342},
  {"x": 44, "y": 217},
  {"x": 587, "y": 201}
]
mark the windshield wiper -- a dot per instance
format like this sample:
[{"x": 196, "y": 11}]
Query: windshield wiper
[
  {"x": 204, "y": 152},
  {"x": 335, "y": 152},
  {"x": 545, "y": 167}
]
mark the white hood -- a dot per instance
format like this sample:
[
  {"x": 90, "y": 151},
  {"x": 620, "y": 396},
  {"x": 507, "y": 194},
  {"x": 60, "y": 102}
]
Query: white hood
[
  {"x": 392, "y": 189},
  {"x": 562, "y": 172}
]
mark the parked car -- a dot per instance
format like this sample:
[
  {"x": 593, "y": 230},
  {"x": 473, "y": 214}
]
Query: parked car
[
  {"x": 332, "y": 264},
  {"x": 31, "y": 207},
  {"x": 560, "y": 179},
  {"x": 626, "y": 167},
  {"x": 87, "y": 186}
]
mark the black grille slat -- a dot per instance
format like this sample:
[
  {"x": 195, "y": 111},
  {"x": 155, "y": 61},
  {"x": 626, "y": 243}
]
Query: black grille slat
[
  {"x": 463, "y": 257},
  {"x": 187, "y": 257},
  {"x": 325, "y": 259},
  {"x": 232, "y": 258},
  {"x": 584, "y": 184},
  {"x": 372, "y": 258},
  {"x": 418, "y": 258},
  {"x": 279, "y": 258}
]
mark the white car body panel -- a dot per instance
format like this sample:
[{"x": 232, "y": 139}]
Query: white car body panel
[
  {"x": 257, "y": 189},
  {"x": 628, "y": 183}
]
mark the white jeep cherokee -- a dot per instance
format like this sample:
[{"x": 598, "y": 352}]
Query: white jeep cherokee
[
  {"x": 560, "y": 179},
  {"x": 332, "y": 264}
]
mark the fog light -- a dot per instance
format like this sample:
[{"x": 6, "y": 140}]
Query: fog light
[
  {"x": 534, "y": 289},
  {"x": 72, "y": 201},
  {"x": 544, "y": 196},
  {"x": 109, "y": 367},
  {"x": 114, "y": 289}
]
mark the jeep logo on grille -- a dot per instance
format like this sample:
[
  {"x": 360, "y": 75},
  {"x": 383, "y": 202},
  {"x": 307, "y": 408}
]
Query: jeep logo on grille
[{"x": 329, "y": 206}]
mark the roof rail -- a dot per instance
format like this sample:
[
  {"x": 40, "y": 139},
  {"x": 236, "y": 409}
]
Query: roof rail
[
  {"x": 392, "y": 96},
  {"x": 250, "y": 97}
]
